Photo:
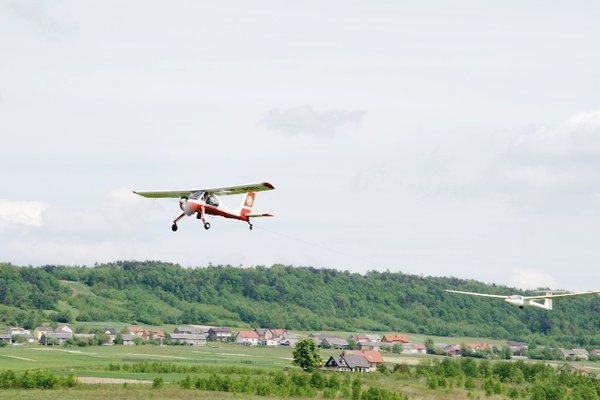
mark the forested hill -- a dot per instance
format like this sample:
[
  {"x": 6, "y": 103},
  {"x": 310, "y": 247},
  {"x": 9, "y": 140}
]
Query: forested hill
[{"x": 283, "y": 296}]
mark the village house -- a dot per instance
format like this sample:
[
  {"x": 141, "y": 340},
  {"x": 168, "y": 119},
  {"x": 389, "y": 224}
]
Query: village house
[
  {"x": 517, "y": 348},
  {"x": 373, "y": 357},
  {"x": 371, "y": 345},
  {"x": 63, "y": 329},
  {"x": 288, "y": 339},
  {"x": 40, "y": 330},
  {"x": 451, "y": 350},
  {"x": 190, "y": 330},
  {"x": 248, "y": 338},
  {"x": 335, "y": 342},
  {"x": 136, "y": 330},
  {"x": 317, "y": 338},
  {"x": 128, "y": 339},
  {"x": 264, "y": 333},
  {"x": 112, "y": 335},
  {"x": 5, "y": 337},
  {"x": 153, "y": 334},
  {"x": 189, "y": 338},
  {"x": 391, "y": 339},
  {"x": 478, "y": 347},
  {"x": 219, "y": 334},
  {"x": 278, "y": 333},
  {"x": 55, "y": 338},
  {"x": 20, "y": 335},
  {"x": 596, "y": 352},
  {"x": 575, "y": 354},
  {"x": 360, "y": 338},
  {"x": 373, "y": 337},
  {"x": 366, "y": 338},
  {"x": 413, "y": 348},
  {"x": 346, "y": 362},
  {"x": 15, "y": 330},
  {"x": 266, "y": 337},
  {"x": 268, "y": 342}
]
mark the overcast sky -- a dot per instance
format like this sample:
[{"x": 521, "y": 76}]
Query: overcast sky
[{"x": 429, "y": 137}]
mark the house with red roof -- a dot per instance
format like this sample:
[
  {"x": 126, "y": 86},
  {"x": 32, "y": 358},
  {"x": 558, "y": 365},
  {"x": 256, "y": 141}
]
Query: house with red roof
[
  {"x": 136, "y": 330},
  {"x": 248, "y": 338},
  {"x": 153, "y": 334},
  {"x": 392, "y": 338},
  {"x": 278, "y": 333},
  {"x": 373, "y": 357},
  {"x": 413, "y": 348}
]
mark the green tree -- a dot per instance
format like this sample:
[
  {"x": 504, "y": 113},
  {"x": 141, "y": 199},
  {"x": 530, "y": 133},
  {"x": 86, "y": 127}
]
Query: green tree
[
  {"x": 104, "y": 338},
  {"x": 352, "y": 344},
  {"x": 306, "y": 355},
  {"x": 158, "y": 382},
  {"x": 62, "y": 317},
  {"x": 429, "y": 346}
]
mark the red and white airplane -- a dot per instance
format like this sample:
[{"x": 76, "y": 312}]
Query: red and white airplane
[
  {"x": 204, "y": 202},
  {"x": 533, "y": 301}
]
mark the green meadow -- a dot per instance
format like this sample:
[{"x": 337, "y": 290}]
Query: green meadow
[
  {"x": 222, "y": 370},
  {"x": 225, "y": 359},
  {"x": 96, "y": 359}
]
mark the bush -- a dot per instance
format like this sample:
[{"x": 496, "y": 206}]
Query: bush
[{"x": 158, "y": 382}]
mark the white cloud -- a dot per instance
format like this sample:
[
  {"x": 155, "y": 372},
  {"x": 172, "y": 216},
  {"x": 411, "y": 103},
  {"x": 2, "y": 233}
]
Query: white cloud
[
  {"x": 531, "y": 278},
  {"x": 27, "y": 213},
  {"x": 308, "y": 121},
  {"x": 578, "y": 136},
  {"x": 562, "y": 160},
  {"x": 36, "y": 13}
]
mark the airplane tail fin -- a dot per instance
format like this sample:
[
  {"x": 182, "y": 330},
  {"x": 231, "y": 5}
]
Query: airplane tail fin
[
  {"x": 247, "y": 203},
  {"x": 548, "y": 302}
]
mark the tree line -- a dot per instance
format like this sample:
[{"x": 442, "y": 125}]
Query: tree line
[{"x": 302, "y": 298}]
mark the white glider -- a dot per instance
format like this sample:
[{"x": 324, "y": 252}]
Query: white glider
[{"x": 523, "y": 301}]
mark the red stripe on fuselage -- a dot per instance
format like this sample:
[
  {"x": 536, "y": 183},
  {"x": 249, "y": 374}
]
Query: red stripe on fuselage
[{"x": 209, "y": 210}]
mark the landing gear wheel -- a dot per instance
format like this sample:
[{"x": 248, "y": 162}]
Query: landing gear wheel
[
  {"x": 206, "y": 225},
  {"x": 250, "y": 226},
  {"x": 174, "y": 227}
]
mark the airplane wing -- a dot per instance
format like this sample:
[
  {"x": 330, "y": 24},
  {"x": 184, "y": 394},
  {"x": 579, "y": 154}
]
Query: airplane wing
[
  {"x": 560, "y": 296},
  {"x": 167, "y": 194},
  {"x": 191, "y": 193},
  {"x": 252, "y": 187},
  {"x": 477, "y": 294}
]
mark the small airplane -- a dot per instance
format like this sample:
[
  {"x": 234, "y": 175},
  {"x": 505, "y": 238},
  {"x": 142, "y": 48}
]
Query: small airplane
[
  {"x": 204, "y": 202},
  {"x": 523, "y": 301}
]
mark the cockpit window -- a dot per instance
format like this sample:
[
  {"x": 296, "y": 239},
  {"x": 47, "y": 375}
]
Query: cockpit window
[{"x": 212, "y": 200}]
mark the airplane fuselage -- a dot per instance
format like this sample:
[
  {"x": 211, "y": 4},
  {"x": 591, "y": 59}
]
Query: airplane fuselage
[
  {"x": 519, "y": 301},
  {"x": 201, "y": 208}
]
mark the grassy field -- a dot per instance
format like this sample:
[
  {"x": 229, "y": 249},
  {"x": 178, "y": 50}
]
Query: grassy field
[
  {"x": 95, "y": 362},
  {"x": 254, "y": 362},
  {"x": 119, "y": 392},
  {"x": 97, "y": 358}
]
